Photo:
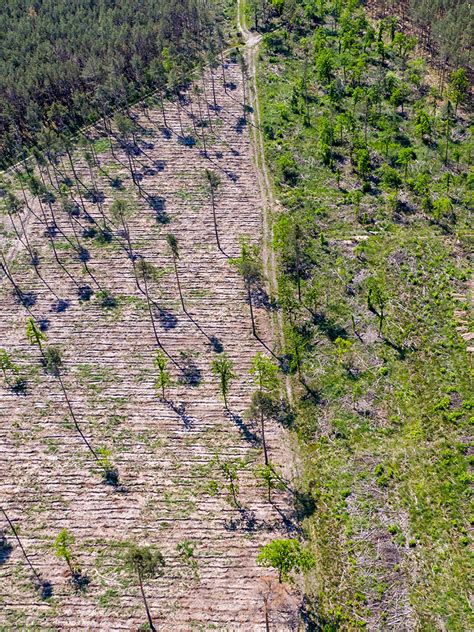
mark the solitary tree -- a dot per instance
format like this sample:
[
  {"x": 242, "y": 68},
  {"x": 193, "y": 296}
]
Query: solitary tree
[
  {"x": 230, "y": 471},
  {"x": 164, "y": 378},
  {"x": 121, "y": 211},
  {"x": 376, "y": 299},
  {"x": 406, "y": 155},
  {"x": 146, "y": 563},
  {"x": 265, "y": 376},
  {"x": 214, "y": 182},
  {"x": 267, "y": 477},
  {"x": 172, "y": 242},
  {"x": 34, "y": 334},
  {"x": 458, "y": 87},
  {"x": 222, "y": 368},
  {"x": 53, "y": 360},
  {"x": 249, "y": 265},
  {"x": 285, "y": 556},
  {"x": 62, "y": 547},
  {"x": 8, "y": 368}
]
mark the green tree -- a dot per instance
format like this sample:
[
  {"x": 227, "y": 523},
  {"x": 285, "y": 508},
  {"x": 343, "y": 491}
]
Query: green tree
[
  {"x": 343, "y": 347},
  {"x": 146, "y": 563},
  {"x": 458, "y": 87},
  {"x": 8, "y": 367},
  {"x": 172, "y": 242},
  {"x": 406, "y": 156},
  {"x": 121, "y": 211},
  {"x": 214, "y": 181},
  {"x": 377, "y": 299},
  {"x": 267, "y": 477},
  {"x": 62, "y": 548},
  {"x": 249, "y": 265},
  {"x": 286, "y": 556},
  {"x": 265, "y": 377},
  {"x": 222, "y": 368},
  {"x": 34, "y": 334},
  {"x": 53, "y": 360},
  {"x": 164, "y": 378}
]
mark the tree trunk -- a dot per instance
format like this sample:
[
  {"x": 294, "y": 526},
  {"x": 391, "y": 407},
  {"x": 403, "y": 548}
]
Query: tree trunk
[
  {"x": 12, "y": 527},
  {"x": 264, "y": 443},
  {"x": 179, "y": 284},
  {"x": 252, "y": 317},
  {"x": 148, "y": 614}
]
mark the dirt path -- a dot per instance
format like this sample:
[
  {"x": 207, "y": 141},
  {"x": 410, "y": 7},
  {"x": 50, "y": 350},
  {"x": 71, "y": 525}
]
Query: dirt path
[{"x": 269, "y": 204}]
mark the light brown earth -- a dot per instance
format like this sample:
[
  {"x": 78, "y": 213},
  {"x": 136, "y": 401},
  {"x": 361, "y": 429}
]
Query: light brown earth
[{"x": 166, "y": 460}]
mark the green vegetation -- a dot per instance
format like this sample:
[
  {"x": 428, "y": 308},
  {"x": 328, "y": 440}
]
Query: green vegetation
[
  {"x": 372, "y": 164},
  {"x": 286, "y": 556}
]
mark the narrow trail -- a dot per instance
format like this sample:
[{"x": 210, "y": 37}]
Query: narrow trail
[{"x": 269, "y": 203}]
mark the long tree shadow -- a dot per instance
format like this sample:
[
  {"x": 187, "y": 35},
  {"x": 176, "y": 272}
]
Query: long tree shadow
[
  {"x": 330, "y": 329},
  {"x": 246, "y": 431},
  {"x": 180, "y": 410}
]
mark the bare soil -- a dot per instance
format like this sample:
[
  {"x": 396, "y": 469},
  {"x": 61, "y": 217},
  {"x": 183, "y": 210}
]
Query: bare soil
[{"x": 165, "y": 452}]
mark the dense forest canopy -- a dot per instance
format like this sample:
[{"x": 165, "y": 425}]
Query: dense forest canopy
[
  {"x": 89, "y": 55},
  {"x": 445, "y": 26}
]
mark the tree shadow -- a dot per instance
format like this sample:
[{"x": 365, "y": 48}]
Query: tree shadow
[
  {"x": 20, "y": 387},
  {"x": 216, "y": 344},
  {"x": 246, "y": 431},
  {"x": 61, "y": 306},
  {"x": 85, "y": 292},
  {"x": 241, "y": 124},
  {"x": 44, "y": 324},
  {"x": 84, "y": 255},
  {"x": 180, "y": 410},
  {"x": 166, "y": 318},
  {"x": 191, "y": 374},
  {"x": 187, "y": 141},
  {"x": 166, "y": 133},
  {"x": 289, "y": 525},
  {"x": 330, "y": 329},
  {"x": 246, "y": 521},
  {"x": 45, "y": 589},
  {"x": 26, "y": 299},
  {"x": 158, "y": 204},
  {"x": 80, "y": 581},
  {"x": 5, "y": 549},
  {"x": 94, "y": 195}
]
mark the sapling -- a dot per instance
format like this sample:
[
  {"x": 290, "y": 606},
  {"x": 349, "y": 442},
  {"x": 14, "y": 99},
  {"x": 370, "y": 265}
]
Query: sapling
[
  {"x": 214, "y": 182},
  {"x": 222, "y": 368},
  {"x": 268, "y": 478},
  {"x": 62, "y": 547},
  {"x": 172, "y": 242},
  {"x": 34, "y": 334},
  {"x": 164, "y": 378},
  {"x": 249, "y": 265}
]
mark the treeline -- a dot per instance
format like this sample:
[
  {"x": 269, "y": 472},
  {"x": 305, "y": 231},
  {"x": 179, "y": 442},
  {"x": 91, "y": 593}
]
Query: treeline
[
  {"x": 73, "y": 60},
  {"x": 444, "y": 27}
]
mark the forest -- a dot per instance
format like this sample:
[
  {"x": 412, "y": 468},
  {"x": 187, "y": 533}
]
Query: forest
[
  {"x": 236, "y": 315},
  {"x": 445, "y": 29},
  {"x": 65, "y": 63}
]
